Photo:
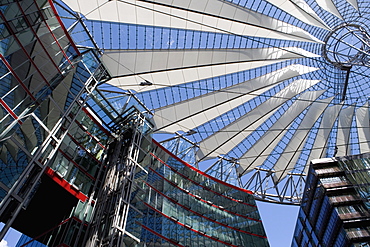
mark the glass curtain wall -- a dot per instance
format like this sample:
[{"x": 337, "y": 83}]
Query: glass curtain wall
[{"x": 177, "y": 204}]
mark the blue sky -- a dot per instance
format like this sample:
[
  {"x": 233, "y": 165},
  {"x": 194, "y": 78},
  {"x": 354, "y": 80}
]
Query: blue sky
[
  {"x": 10, "y": 239},
  {"x": 279, "y": 222}
]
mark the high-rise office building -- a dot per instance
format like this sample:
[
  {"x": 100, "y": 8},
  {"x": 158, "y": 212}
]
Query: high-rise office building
[{"x": 335, "y": 210}]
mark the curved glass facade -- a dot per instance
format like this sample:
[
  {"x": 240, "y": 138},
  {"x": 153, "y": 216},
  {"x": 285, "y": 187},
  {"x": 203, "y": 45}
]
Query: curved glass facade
[{"x": 181, "y": 205}]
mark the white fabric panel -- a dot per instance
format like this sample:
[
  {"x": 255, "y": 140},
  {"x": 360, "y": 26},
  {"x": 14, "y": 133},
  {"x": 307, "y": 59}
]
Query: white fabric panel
[
  {"x": 85, "y": 6},
  {"x": 185, "y": 116},
  {"x": 227, "y": 138},
  {"x": 128, "y": 62},
  {"x": 329, "y": 6},
  {"x": 177, "y": 77},
  {"x": 27, "y": 127},
  {"x": 363, "y": 128},
  {"x": 261, "y": 149},
  {"x": 306, "y": 8},
  {"x": 53, "y": 113},
  {"x": 12, "y": 148},
  {"x": 319, "y": 148},
  {"x": 292, "y": 151},
  {"x": 301, "y": 10},
  {"x": 3, "y": 154},
  {"x": 353, "y": 3},
  {"x": 344, "y": 124},
  {"x": 221, "y": 17}
]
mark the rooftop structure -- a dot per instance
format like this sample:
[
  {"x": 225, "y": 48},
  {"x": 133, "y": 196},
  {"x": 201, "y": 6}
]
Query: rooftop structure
[{"x": 257, "y": 87}]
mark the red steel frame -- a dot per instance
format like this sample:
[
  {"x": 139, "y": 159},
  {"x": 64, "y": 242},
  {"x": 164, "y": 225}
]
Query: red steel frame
[
  {"x": 8, "y": 109},
  {"x": 22, "y": 47},
  {"x": 63, "y": 27},
  {"x": 194, "y": 182},
  {"x": 37, "y": 37},
  {"x": 67, "y": 186},
  {"x": 9, "y": 67}
]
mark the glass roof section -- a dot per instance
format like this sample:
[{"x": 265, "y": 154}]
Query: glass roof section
[{"x": 267, "y": 84}]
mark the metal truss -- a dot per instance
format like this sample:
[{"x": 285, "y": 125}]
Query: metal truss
[
  {"x": 182, "y": 147},
  {"x": 347, "y": 45},
  {"x": 288, "y": 191},
  {"x": 262, "y": 182}
]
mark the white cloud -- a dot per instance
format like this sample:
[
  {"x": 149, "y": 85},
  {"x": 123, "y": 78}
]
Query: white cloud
[{"x": 3, "y": 243}]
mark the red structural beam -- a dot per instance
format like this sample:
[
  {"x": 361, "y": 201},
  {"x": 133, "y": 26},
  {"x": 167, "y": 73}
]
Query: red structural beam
[
  {"x": 160, "y": 235},
  {"x": 67, "y": 186},
  {"x": 83, "y": 148},
  {"x": 63, "y": 27},
  {"x": 89, "y": 134},
  {"x": 61, "y": 223},
  {"x": 8, "y": 109},
  {"x": 37, "y": 37},
  {"x": 9, "y": 67},
  {"x": 96, "y": 122},
  {"x": 23, "y": 48},
  {"x": 76, "y": 165}
]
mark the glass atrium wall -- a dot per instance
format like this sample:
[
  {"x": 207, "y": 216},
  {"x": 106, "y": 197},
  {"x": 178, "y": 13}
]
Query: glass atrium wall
[{"x": 45, "y": 82}]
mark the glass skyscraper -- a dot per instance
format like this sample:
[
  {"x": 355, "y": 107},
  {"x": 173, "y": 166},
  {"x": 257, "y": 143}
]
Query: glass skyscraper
[{"x": 335, "y": 209}]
